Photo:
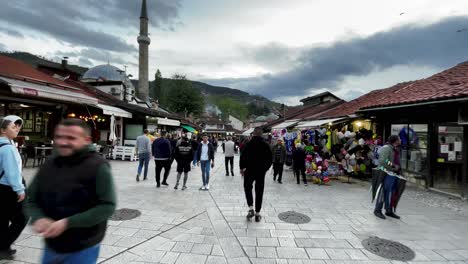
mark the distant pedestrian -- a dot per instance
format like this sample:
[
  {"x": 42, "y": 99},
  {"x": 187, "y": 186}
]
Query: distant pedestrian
[
  {"x": 215, "y": 143},
  {"x": 279, "y": 157},
  {"x": 390, "y": 192},
  {"x": 162, "y": 153},
  {"x": 71, "y": 197},
  {"x": 206, "y": 160},
  {"x": 12, "y": 189},
  {"x": 298, "y": 158},
  {"x": 229, "y": 155},
  {"x": 255, "y": 161},
  {"x": 195, "y": 143},
  {"x": 183, "y": 156},
  {"x": 143, "y": 145}
]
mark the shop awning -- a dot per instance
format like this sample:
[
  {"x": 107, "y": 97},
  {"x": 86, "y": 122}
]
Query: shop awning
[
  {"x": 286, "y": 124},
  {"x": 248, "y": 132},
  {"x": 112, "y": 110},
  {"x": 189, "y": 128},
  {"x": 49, "y": 92},
  {"x": 168, "y": 122},
  {"x": 317, "y": 123}
]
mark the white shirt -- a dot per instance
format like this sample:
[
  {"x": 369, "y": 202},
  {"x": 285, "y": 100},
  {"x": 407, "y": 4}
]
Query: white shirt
[
  {"x": 229, "y": 149},
  {"x": 204, "y": 151}
]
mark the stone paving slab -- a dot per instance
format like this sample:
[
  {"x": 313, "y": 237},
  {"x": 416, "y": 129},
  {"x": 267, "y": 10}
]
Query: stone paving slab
[{"x": 195, "y": 226}]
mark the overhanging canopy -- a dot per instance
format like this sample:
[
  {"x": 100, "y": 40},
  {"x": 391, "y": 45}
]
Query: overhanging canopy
[
  {"x": 112, "y": 110},
  {"x": 189, "y": 128},
  {"x": 317, "y": 123},
  {"x": 248, "y": 132},
  {"x": 49, "y": 92},
  {"x": 286, "y": 124}
]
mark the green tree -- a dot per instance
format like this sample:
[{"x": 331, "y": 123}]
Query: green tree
[
  {"x": 183, "y": 98},
  {"x": 156, "y": 87},
  {"x": 229, "y": 106}
]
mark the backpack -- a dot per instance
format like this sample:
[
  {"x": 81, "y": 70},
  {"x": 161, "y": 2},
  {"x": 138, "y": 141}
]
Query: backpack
[{"x": 3, "y": 172}]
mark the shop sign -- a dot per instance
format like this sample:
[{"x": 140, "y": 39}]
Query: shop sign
[
  {"x": 29, "y": 91},
  {"x": 168, "y": 122}
]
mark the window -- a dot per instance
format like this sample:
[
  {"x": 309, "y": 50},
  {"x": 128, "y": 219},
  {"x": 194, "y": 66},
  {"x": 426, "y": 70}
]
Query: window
[
  {"x": 133, "y": 131},
  {"x": 450, "y": 141},
  {"x": 413, "y": 150}
]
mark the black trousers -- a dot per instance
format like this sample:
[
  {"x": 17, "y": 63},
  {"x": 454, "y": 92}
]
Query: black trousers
[
  {"x": 298, "y": 172},
  {"x": 278, "y": 171},
  {"x": 228, "y": 160},
  {"x": 259, "y": 179},
  {"x": 162, "y": 164},
  {"x": 12, "y": 219}
]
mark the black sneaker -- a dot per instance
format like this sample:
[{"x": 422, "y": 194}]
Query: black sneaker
[
  {"x": 258, "y": 218},
  {"x": 280, "y": 182},
  {"x": 7, "y": 254},
  {"x": 175, "y": 187},
  {"x": 232, "y": 174},
  {"x": 250, "y": 214},
  {"x": 145, "y": 178},
  {"x": 379, "y": 214},
  {"x": 392, "y": 215},
  {"x": 138, "y": 178},
  {"x": 165, "y": 184},
  {"x": 158, "y": 185}
]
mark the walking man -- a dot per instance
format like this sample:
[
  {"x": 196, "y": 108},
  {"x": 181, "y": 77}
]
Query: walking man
[
  {"x": 229, "y": 155},
  {"x": 299, "y": 157},
  {"x": 279, "y": 157},
  {"x": 143, "y": 145},
  {"x": 389, "y": 165},
  {"x": 71, "y": 197},
  {"x": 255, "y": 161},
  {"x": 206, "y": 159},
  {"x": 183, "y": 156},
  {"x": 162, "y": 153}
]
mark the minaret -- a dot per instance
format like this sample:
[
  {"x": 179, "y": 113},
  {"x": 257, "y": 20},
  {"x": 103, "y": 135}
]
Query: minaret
[{"x": 143, "y": 41}]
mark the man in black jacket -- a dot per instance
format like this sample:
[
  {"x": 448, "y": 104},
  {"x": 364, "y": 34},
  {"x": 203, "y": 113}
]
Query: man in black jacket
[
  {"x": 162, "y": 153},
  {"x": 255, "y": 161},
  {"x": 71, "y": 197},
  {"x": 183, "y": 156},
  {"x": 299, "y": 157}
]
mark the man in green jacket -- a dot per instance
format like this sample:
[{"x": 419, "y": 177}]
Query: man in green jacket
[
  {"x": 389, "y": 165},
  {"x": 71, "y": 197}
]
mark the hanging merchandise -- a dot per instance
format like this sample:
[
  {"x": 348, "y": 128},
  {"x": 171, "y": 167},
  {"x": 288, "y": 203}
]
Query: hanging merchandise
[
  {"x": 329, "y": 139},
  {"x": 408, "y": 137}
]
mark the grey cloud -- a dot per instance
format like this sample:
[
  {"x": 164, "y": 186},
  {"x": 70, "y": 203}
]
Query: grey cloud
[
  {"x": 438, "y": 44},
  {"x": 274, "y": 56},
  {"x": 11, "y": 32},
  {"x": 85, "y": 62},
  {"x": 70, "y": 21},
  {"x": 3, "y": 47},
  {"x": 97, "y": 55}
]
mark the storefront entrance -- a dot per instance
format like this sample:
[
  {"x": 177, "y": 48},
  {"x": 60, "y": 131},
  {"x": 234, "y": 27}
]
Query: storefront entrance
[{"x": 448, "y": 164}]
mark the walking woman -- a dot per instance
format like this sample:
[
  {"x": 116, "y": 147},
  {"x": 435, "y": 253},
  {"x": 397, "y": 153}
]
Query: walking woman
[{"x": 12, "y": 189}]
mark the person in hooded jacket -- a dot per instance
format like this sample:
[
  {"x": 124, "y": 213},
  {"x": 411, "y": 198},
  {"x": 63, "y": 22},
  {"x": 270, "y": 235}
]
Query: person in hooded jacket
[
  {"x": 184, "y": 157},
  {"x": 12, "y": 189}
]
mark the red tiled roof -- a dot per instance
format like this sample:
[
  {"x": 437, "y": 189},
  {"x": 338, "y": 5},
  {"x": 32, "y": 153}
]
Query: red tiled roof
[
  {"x": 363, "y": 101},
  {"x": 19, "y": 70},
  {"x": 306, "y": 112},
  {"x": 448, "y": 84}
]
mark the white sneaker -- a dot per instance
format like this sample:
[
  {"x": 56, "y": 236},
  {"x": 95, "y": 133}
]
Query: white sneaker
[
  {"x": 203, "y": 188},
  {"x": 207, "y": 187}
]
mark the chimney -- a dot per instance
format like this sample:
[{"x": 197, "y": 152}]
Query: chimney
[{"x": 64, "y": 62}]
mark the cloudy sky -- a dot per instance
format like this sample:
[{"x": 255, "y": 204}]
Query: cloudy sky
[{"x": 283, "y": 50}]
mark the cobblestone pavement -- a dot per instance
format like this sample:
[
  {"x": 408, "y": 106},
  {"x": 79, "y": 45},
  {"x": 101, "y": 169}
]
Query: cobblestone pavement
[{"x": 209, "y": 227}]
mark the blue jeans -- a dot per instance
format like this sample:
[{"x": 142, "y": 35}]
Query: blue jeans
[
  {"x": 85, "y": 256},
  {"x": 143, "y": 159},
  {"x": 205, "y": 169},
  {"x": 195, "y": 156},
  {"x": 390, "y": 186}
]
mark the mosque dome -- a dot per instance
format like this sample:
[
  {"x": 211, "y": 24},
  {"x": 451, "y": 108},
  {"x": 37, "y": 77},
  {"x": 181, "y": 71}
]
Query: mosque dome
[{"x": 106, "y": 72}]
